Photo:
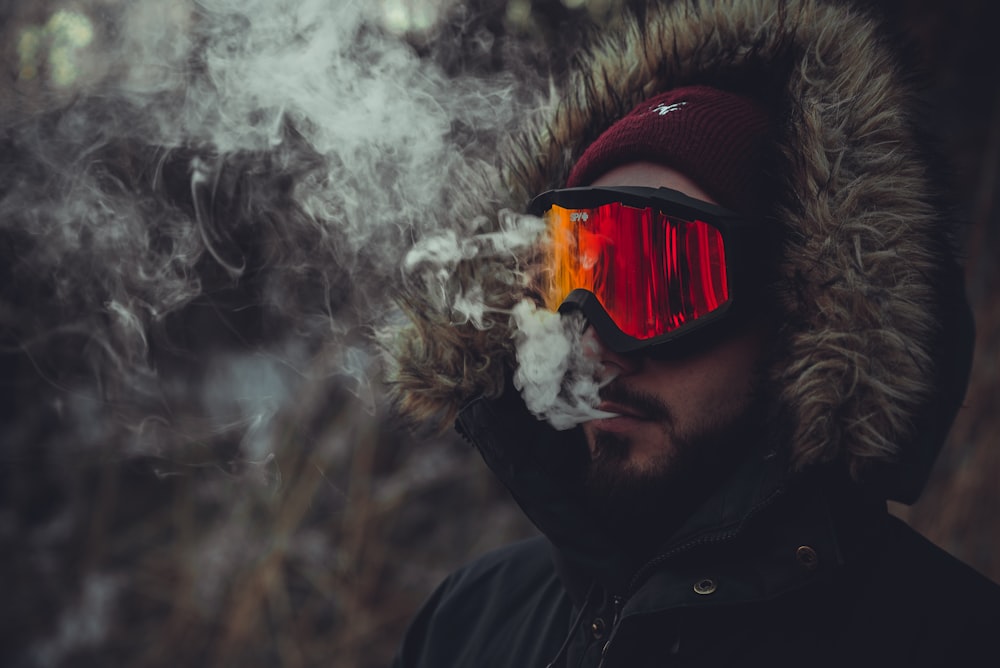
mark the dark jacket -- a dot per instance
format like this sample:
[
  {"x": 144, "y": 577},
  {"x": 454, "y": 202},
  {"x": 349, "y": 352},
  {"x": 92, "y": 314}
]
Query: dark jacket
[
  {"x": 907, "y": 603},
  {"x": 793, "y": 558},
  {"x": 774, "y": 569}
]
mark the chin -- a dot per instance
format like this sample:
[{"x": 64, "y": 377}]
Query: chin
[
  {"x": 648, "y": 466},
  {"x": 628, "y": 450}
]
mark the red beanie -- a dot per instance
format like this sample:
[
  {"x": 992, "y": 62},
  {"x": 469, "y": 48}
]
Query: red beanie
[{"x": 716, "y": 138}]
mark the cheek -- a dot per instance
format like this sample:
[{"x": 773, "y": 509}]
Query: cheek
[{"x": 720, "y": 384}]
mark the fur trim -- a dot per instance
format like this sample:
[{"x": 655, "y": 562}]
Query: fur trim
[{"x": 863, "y": 238}]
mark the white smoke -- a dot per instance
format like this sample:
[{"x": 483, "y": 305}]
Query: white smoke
[
  {"x": 84, "y": 625},
  {"x": 299, "y": 146},
  {"x": 558, "y": 373},
  {"x": 558, "y": 377},
  {"x": 435, "y": 259},
  {"x": 204, "y": 205}
]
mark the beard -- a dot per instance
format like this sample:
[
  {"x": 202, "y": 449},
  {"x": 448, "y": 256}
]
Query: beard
[{"x": 642, "y": 505}]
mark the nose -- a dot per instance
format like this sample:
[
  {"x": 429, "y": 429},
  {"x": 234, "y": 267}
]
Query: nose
[{"x": 612, "y": 364}]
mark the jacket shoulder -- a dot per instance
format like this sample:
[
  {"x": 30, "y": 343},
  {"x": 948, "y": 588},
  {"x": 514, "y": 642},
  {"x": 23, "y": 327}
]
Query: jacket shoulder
[
  {"x": 917, "y": 596},
  {"x": 506, "y": 608},
  {"x": 925, "y": 569}
]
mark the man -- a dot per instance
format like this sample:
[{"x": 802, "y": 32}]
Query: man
[{"x": 738, "y": 204}]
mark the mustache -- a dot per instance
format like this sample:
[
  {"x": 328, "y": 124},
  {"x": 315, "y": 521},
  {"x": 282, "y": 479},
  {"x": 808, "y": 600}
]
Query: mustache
[{"x": 644, "y": 404}]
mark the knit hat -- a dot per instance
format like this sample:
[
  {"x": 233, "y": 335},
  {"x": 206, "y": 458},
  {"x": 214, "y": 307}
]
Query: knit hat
[{"x": 716, "y": 138}]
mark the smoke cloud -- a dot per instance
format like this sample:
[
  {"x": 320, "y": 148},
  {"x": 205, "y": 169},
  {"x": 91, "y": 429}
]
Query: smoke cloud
[
  {"x": 205, "y": 207},
  {"x": 204, "y": 203},
  {"x": 558, "y": 373}
]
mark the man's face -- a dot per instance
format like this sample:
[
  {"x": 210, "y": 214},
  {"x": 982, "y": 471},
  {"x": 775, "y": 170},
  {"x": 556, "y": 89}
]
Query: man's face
[{"x": 678, "y": 417}]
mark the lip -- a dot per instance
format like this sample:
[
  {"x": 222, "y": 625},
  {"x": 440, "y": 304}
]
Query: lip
[
  {"x": 625, "y": 420},
  {"x": 620, "y": 410}
]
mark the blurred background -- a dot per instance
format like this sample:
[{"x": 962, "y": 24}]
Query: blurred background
[{"x": 197, "y": 466}]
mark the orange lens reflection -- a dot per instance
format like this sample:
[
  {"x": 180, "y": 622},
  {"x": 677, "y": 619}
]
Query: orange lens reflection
[{"x": 652, "y": 273}]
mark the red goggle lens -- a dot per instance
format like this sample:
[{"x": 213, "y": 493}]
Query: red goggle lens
[{"x": 650, "y": 271}]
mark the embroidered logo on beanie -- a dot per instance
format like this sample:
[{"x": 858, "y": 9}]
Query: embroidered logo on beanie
[
  {"x": 714, "y": 137},
  {"x": 664, "y": 109}
]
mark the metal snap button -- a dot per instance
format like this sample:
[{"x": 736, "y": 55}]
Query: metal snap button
[
  {"x": 597, "y": 628},
  {"x": 704, "y": 587},
  {"x": 807, "y": 558}
]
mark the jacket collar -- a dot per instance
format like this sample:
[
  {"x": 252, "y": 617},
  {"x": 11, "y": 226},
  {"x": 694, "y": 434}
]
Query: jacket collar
[{"x": 745, "y": 538}]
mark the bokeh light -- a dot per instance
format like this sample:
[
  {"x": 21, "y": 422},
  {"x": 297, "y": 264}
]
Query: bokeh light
[
  {"x": 55, "y": 47},
  {"x": 410, "y": 16}
]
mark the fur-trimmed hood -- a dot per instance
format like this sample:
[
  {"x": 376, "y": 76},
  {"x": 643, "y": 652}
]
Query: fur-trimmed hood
[{"x": 878, "y": 332}]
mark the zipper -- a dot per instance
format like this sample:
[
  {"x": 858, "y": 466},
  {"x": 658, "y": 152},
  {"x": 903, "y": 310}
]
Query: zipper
[
  {"x": 573, "y": 628},
  {"x": 617, "y": 603}
]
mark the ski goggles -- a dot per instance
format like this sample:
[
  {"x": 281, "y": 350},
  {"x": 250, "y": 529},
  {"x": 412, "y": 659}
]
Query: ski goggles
[{"x": 645, "y": 265}]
